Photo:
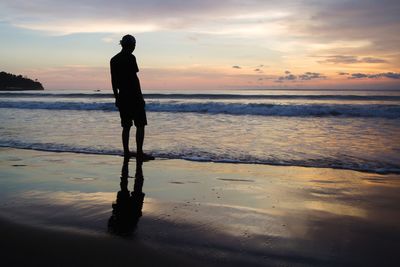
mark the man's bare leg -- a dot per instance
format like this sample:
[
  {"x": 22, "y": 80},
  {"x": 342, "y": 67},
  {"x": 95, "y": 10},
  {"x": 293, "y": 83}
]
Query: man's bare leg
[
  {"x": 140, "y": 156},
  {"x": 139, "y": 140},
  {"x": 125, "y": 140}
]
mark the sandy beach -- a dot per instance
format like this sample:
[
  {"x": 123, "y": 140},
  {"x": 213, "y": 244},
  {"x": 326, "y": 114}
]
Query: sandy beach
[
  {"x": 61, "y": 209},
  {"x": 270, "y": 131}
]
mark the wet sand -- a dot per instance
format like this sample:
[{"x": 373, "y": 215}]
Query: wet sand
[{"x": 57, "y": 209}]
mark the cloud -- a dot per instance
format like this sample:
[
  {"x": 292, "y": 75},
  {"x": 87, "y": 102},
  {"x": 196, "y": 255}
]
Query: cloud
[
  {"x": 372, "y": 21},
  {"x": 373, "y": 60},
  {"x": 358, "y": 76},
  {"x": 306, "y": 76},
  {"x": 287, "y": 77},
  {"x": 389, "y": 75},
  {"x": 236, "y": 67},
  {"x": 368, "y": 24},
  {"x": 311, "y": 75},
  {"x": 345, "y": 59},
  {"x": 343, "y": 73},
  {"x": 358, "y": 19},
  {"x": 201, "y": 16},
  {"x": 340, "y": 59}
]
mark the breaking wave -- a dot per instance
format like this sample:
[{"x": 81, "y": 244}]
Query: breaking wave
[{"x": 257, "y": 109}]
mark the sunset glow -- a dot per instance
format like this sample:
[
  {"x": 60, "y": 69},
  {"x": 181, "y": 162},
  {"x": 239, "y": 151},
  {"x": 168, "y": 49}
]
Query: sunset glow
[{"x": 206, "y": 44}]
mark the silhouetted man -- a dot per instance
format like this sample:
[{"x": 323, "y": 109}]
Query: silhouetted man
[{"x": 128, "y": 95}]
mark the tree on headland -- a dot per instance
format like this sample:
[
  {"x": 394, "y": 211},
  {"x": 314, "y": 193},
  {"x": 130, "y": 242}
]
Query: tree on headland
[{"x": 10, "y": 81}]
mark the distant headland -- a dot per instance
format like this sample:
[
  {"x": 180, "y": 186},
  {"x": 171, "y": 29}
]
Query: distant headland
[{"x": 11, "y": 82}]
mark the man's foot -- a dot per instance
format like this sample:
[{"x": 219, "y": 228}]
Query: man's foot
[
  {"x": 142, "y": 156},
  {"x": 127, "y": 155},
  {"x": 148, "y": 157}
]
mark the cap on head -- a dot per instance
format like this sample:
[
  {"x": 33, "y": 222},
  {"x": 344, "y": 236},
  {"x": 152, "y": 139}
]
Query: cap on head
[{"x": 127, "y": 41}]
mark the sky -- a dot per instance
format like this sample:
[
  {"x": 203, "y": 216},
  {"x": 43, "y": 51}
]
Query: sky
[{"x": 206, "y": 44}]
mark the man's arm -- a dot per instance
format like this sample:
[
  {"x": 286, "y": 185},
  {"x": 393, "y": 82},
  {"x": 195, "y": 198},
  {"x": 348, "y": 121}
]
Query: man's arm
[
  {"x": 135, "y": 69},
  {"x": 114, "y": 86},
  {"x": 116, "y": 95}
]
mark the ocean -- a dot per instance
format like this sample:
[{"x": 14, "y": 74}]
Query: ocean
[{"x": 357, "y": 130}]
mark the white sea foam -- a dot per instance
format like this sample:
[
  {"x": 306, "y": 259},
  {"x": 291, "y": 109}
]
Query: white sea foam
[{"x": 202, "y": 156}]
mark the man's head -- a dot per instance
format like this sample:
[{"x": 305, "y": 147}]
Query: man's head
[{"x": 128, "y": 42}]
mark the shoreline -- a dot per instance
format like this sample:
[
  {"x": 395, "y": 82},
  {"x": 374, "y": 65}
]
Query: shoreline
[
  {"x": 201, "y": 213},
  {"x": 383, "y": 172}
]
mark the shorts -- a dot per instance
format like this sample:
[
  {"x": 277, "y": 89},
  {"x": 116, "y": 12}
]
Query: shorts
[{"x": 135, "y": 113}]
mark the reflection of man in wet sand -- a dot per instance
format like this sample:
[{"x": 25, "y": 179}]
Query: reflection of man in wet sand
[
  {"x": 127, "y": 209},
  {"x": 128, "y": 96}
]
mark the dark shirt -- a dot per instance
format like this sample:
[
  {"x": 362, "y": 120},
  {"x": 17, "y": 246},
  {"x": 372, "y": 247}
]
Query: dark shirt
[{"x": 123, "y": 76}]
